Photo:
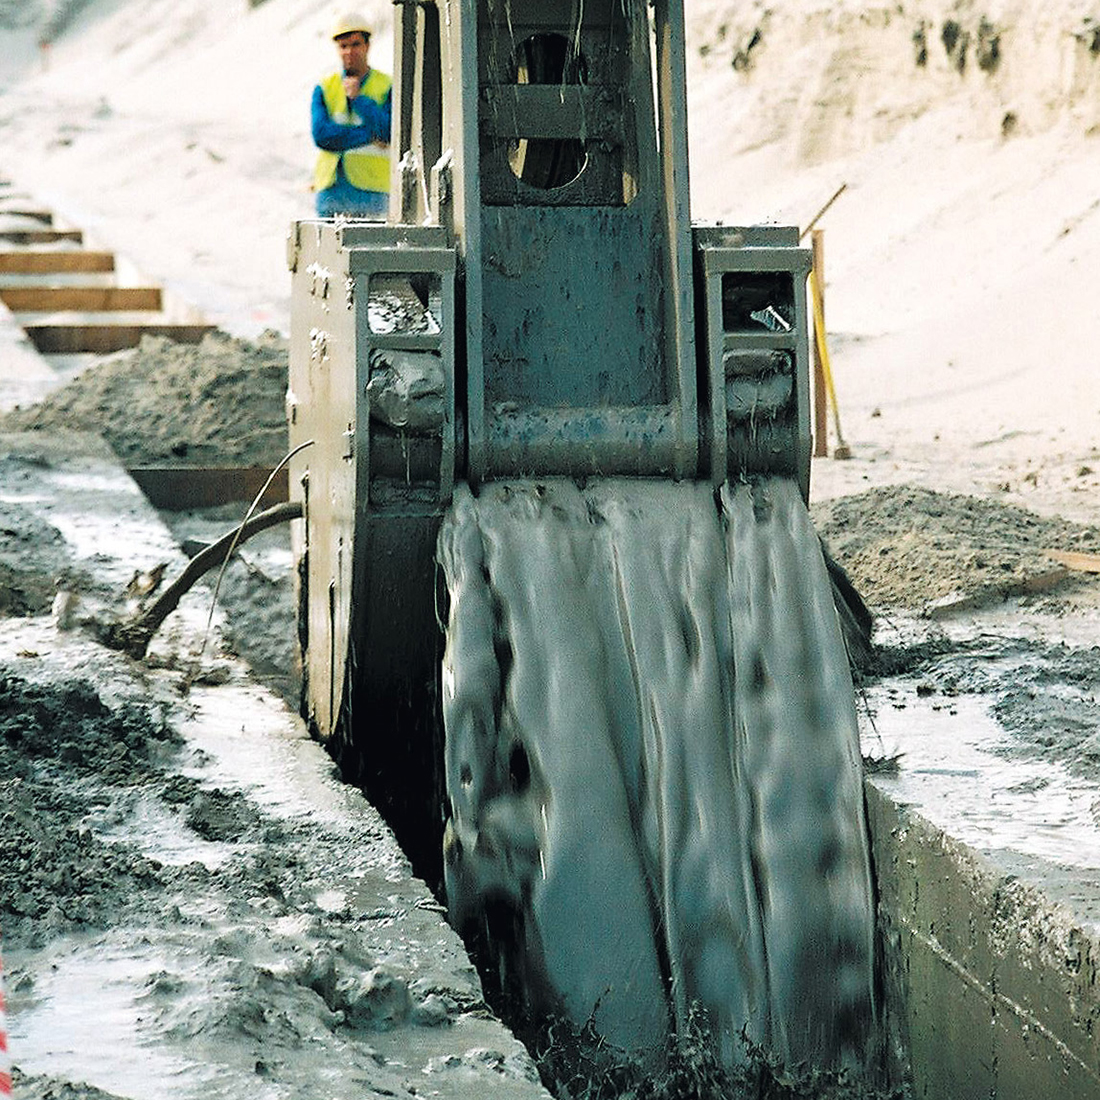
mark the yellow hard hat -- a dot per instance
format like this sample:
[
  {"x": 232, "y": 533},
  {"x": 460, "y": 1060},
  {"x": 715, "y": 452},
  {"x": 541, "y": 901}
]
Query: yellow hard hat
[{"x": 349, "y": 23}]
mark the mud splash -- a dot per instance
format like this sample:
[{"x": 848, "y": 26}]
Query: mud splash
[{"x": 653, "y": 764}]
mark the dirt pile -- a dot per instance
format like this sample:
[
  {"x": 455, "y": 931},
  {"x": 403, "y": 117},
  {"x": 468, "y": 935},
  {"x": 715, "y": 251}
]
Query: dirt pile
[
  {"x": 218, "y": 403},
  {"x": 907, "y": 547}
]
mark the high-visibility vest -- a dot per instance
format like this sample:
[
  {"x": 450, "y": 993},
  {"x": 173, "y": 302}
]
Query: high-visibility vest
[{"x": 367, "y": 166}]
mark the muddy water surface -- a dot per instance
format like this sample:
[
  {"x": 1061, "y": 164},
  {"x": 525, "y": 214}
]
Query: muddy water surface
[
  {"x": 213, "y": 912},
  {"x": 992, "y": 731}
]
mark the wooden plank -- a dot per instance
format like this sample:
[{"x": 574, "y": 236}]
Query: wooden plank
[
  {"x": 21, "y": 210},
  {"x": 41, "y": 236},
  {"x": 103, "y": 338},
  {"x": 175, "y": 490},
  {"x": 32, "y": 299},
  {"x": 990, "y": 594},
  {"x": 36, "y": 263},
  {"x": 1075, "y": 560},
  {"x": 821, "y": 407}
]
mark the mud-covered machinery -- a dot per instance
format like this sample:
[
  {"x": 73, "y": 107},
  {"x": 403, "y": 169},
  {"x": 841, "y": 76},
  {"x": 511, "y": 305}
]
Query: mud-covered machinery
[{"x": 538, "y": 306}]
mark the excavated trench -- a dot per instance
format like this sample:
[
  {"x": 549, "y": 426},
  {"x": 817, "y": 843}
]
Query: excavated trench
[{"x": 541, "y": 593}]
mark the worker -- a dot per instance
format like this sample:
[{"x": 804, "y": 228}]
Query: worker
[{"x": 351, "y": 129}]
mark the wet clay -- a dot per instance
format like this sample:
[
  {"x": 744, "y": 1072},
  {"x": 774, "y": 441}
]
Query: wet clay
[
  {"x": 652, "y": 761},
  {"x": 218, "y": 403}
]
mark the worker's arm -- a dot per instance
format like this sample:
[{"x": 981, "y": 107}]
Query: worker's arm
[
  {"x": 378, "y": 115},
  {"x": 338, "y": 136}
]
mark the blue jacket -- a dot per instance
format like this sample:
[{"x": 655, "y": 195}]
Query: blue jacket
[{"x": 336, "y": 137}]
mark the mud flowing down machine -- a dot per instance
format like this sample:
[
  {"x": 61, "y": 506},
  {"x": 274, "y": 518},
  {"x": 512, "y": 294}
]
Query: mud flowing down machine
[{"x": 562, "y": 611}]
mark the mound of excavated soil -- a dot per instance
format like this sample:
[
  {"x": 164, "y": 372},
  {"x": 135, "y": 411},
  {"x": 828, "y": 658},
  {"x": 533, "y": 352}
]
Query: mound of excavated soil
[
  {"x": 909, "y": 547},
  {"x": 218, "y": 403}
]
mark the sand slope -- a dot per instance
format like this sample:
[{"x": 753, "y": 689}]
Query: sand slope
[{"x": 959, "y": 260}]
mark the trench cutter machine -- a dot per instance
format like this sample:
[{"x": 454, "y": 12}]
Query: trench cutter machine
[{"x": 538, "y": 304}]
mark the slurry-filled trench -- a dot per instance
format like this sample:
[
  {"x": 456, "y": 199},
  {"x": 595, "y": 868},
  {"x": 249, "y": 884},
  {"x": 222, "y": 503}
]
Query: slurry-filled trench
[{"x": 994, "y": 841}]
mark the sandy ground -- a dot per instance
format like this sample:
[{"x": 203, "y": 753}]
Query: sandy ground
[{"x": 963, "y": 331}]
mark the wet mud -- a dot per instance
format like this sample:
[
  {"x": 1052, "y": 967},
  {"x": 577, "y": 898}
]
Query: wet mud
[
  {"x": 62, "y": 751},
  {"x": 205, "y": 905},
  {"x": 1043, "y": 695},
  {"x": 1052, "y": 708},
  {"x": 32, "y": 556},
  {"x": 142, "y": 868}
]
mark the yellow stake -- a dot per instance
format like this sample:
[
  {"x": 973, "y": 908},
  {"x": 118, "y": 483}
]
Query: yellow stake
[{"x": 842, "y": 450}]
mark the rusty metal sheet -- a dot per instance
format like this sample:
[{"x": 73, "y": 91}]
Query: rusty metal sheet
[
  {"x": 177, "y": 489},
  {"x": 63, "y": 338}
]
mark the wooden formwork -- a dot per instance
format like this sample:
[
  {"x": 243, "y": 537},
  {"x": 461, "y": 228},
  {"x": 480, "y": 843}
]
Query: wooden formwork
[{"x": 71, "y": 299}]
